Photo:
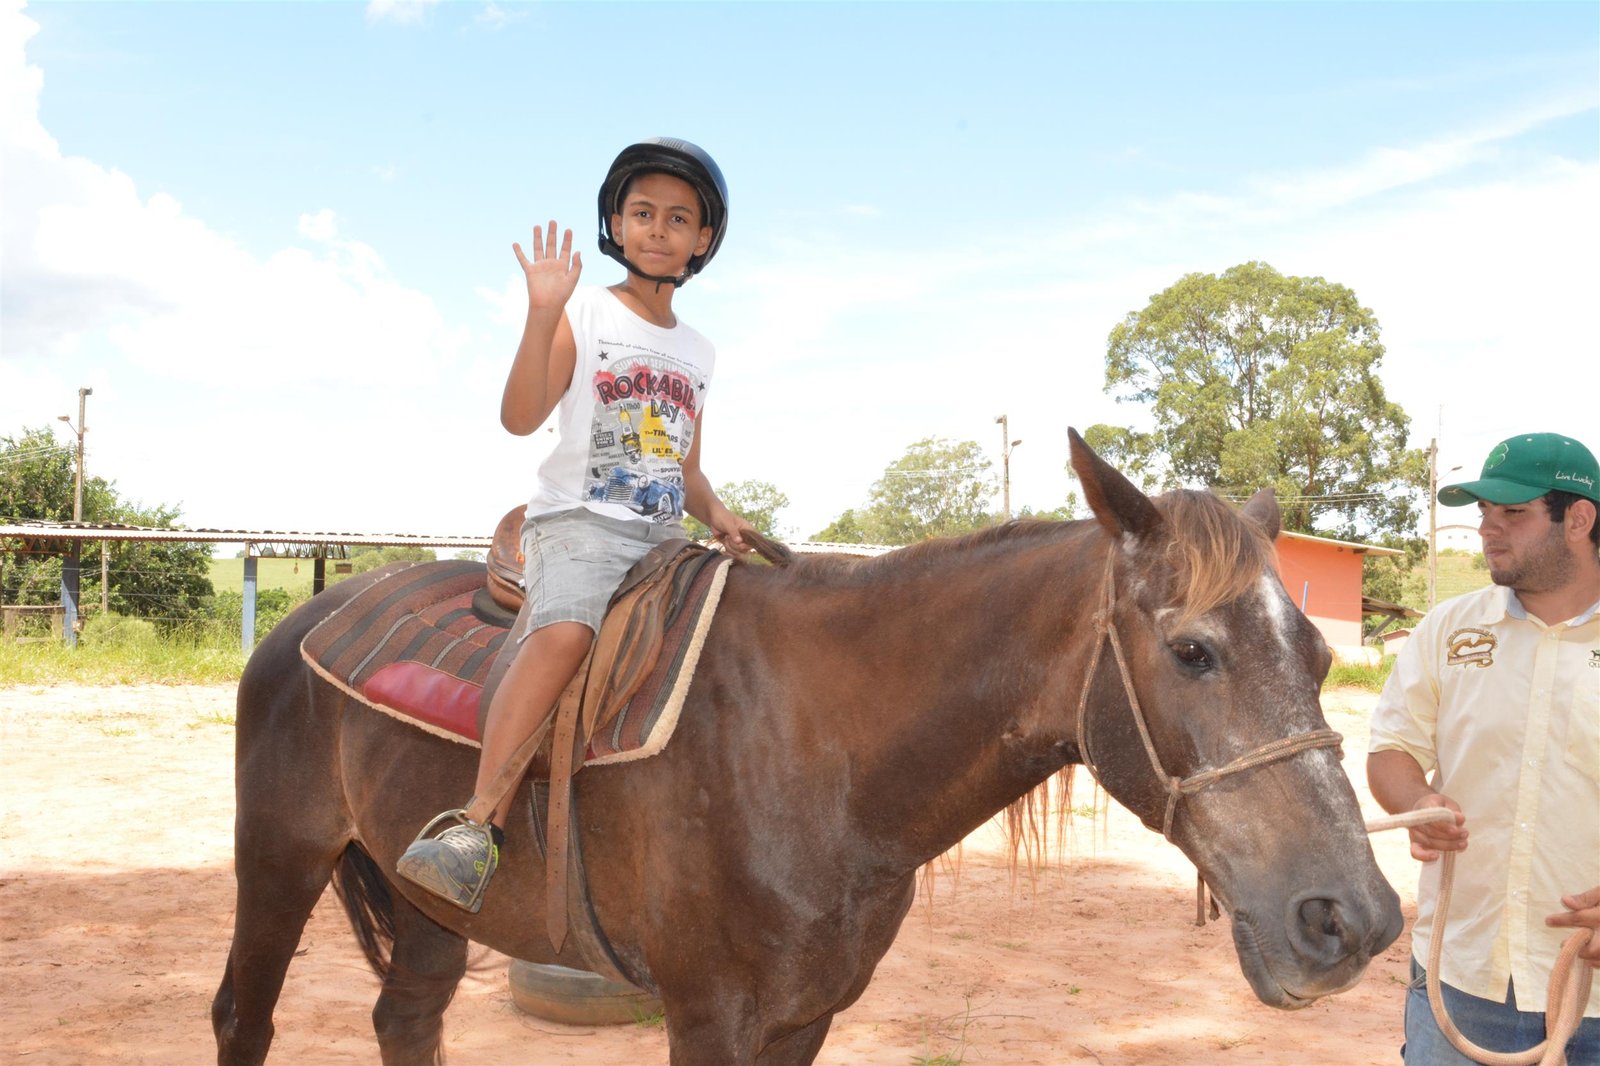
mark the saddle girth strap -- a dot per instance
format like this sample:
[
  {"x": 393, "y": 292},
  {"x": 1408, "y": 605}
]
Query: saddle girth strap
[{"x": 588, "y": 942}]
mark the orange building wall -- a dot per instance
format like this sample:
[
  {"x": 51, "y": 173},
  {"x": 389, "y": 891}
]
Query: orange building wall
[{"x": 1324, "y": 580}]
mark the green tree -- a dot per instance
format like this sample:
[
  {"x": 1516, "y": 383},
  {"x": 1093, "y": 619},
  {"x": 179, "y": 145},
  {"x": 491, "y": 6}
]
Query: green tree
[
  {"x": 938, "y": 488},
  {"x": 37, "y": 485},
  {"x": 226, "y": 611},
  {"x": 1065, "y": 513},
  {"x": 846, "y": 529},
  {"x": 168, "y": 582},
  {"x": 365, "y": 559},
  {"x": 1396, "y": 579},
  {"x": 1258, "y": 380},
  {"x": 165, "y": 582},
  {"x": 758, "y": 501},
  {"x": 38, "y": 479}
]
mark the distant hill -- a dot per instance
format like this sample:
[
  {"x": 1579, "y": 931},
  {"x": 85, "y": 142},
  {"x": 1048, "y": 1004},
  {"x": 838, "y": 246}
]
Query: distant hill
[
  {"x": 1460, "y": 572},
  {"x": 227, "y": 575}
]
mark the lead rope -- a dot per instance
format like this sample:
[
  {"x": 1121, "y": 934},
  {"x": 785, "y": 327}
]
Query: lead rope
[{"x": 1569, "y": 984}]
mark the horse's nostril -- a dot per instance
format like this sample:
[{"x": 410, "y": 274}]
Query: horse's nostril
[
  {"x": 1322, "y": 932},
  {"x": 1323, "y": 915}
]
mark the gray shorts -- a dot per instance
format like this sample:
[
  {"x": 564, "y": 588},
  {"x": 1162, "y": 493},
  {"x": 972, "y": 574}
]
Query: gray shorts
[{"x": 574, "y": 560}]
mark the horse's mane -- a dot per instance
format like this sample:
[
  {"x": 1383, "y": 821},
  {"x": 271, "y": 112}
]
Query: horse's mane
[
  {"x": 842, "y": 569},
  {"x": 1216, "y": 553}
]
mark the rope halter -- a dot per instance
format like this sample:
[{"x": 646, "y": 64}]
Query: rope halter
[{"x": 1105, "y": 623}]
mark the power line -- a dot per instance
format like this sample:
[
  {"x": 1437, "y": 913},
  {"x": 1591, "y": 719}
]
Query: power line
[
  {"x": 938, "y": 473},
  {"x": 25, "y": 454}
]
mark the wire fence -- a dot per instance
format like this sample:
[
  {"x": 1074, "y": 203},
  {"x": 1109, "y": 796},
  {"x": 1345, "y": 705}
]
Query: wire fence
[{"x": 171, "y": 600}]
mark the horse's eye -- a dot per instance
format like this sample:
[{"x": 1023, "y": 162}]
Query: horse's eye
[{"x": 1191, "y": 654}]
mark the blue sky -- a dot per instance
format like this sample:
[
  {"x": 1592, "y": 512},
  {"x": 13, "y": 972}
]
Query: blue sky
[{"x": 275, "y": 238}]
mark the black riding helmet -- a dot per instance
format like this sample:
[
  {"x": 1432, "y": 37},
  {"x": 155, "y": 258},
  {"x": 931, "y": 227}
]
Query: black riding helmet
[{"x": 666, "y": 155}]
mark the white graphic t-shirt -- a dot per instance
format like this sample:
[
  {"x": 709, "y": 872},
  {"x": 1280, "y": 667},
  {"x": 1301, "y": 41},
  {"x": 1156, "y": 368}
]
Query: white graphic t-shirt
[{"x": 627, "y": 420}]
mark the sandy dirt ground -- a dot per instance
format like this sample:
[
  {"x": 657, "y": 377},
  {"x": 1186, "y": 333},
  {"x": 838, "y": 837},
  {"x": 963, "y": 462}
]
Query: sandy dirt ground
[{"x": 116, "y": 908}]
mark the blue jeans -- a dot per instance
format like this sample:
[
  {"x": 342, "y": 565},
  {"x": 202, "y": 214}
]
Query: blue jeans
[{"x": 1492, "y": 1026}]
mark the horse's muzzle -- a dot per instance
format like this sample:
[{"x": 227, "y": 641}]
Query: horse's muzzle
[{"x": 1324, "y": 945}]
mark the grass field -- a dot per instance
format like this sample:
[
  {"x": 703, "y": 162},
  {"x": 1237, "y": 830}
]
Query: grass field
[
  {"x": 227, "y": 575},
  {"x": 1458, "y": 574}
]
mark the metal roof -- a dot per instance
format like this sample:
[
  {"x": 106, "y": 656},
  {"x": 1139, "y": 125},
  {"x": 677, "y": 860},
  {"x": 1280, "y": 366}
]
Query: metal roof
[
  {"x": 80, "y": 531},
  {"x": 1354, "y": 546}
]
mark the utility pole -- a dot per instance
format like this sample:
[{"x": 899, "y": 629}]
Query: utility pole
[
  {"x": 1433, "y": 522},
  {"x": 69, "y": 572},
  {"x": 1006, "y": 445},
  {"x": 80, "y": 429}
]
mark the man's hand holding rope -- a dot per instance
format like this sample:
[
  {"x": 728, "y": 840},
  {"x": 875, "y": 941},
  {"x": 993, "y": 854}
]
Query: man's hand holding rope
[{"x": 1583, "y": 912}]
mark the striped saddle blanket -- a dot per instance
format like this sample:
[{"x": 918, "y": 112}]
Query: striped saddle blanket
[{"x": 418, "y": 644}]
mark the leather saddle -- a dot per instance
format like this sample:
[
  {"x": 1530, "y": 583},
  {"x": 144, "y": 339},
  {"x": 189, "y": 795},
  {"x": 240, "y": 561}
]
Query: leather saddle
[
  {"x": 650, "y": 595},
  {"x": 505, "y": 561}
]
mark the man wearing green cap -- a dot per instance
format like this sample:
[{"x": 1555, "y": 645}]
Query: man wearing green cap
[{"x": 1493, "y": 711}]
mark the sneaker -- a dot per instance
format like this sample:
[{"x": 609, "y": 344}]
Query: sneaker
[{"x": 455, "y": 865}]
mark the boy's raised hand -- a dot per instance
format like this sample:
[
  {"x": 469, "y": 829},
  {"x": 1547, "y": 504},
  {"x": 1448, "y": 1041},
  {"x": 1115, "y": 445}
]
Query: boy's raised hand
[{"x": 551, "y": 274}]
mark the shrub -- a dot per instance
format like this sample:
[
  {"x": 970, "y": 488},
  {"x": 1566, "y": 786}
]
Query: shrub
[
  {"x": 1360, "y": 675},
  {"x": 118, "y": 631},
  {"x": 225, "y": 610}
]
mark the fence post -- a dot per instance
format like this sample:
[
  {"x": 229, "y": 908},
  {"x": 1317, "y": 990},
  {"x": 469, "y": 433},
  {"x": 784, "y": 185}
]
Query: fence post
[
  {"x": 247, "y": 623},
  {"x": 69, "y": 595}
]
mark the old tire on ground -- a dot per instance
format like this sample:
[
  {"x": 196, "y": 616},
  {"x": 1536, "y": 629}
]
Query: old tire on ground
[{"x": 577, "y": 997}]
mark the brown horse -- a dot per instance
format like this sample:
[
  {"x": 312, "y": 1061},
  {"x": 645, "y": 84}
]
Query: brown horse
[{"x": 850, "y": 721}]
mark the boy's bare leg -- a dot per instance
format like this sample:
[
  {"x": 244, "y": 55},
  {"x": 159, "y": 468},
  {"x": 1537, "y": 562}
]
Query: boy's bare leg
[
  {"x": 527, "y": 694},
  {"x": 457, "y": 864}
]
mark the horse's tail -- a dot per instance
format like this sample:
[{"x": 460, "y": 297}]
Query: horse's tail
[{"x": 369, "y": 905}]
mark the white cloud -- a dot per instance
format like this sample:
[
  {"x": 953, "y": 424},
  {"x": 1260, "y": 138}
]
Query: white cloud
[
  {"x": 88, "y": 255},
  {"x": 1478, "y": 251},
  {"x": 1299, "y": 196},
  {"x": 20, "y": 83},
  {"x": 496, "y": 17},
  {"x": 321, "y": 226},
  {"x": 244, "y": 376},
  {"x": 509, "y": 306},
  {"x": 402, "y": 12}
]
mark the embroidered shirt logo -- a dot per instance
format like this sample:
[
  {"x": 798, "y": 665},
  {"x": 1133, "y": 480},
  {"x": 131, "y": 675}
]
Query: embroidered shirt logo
[
  {"x": 1471, "y": 646},
  {"x": 1594, "y": 659}
]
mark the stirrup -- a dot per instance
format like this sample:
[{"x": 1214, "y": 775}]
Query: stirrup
[{"x": 456, "y": 817}]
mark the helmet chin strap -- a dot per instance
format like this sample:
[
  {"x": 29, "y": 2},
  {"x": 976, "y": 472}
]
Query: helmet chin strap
[{"x": 609, "y": 247}]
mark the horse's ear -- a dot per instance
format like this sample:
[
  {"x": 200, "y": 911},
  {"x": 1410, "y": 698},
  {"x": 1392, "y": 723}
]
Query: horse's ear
[
  {"x": 1117, "y": 504},
  {"x": 1263, "y": 509}
]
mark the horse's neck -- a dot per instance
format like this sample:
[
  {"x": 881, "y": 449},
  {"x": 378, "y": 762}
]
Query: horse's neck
[{"x": 964, "y": 686}]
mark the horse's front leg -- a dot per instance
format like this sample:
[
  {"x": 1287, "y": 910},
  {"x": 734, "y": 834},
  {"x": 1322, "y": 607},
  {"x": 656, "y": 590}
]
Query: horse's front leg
[
  {"x": 713, "y": 1027},
  {"x": 712, "y": 1034},
  {"x": 798, "y": 1048}
]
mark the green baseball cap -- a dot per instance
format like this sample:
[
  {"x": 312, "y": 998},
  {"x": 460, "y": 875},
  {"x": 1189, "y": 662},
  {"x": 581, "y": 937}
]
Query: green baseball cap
[{"x": 1527, "y": 466}]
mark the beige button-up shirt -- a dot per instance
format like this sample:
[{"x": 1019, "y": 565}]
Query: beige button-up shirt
[{"x": 1504, "y": 713}]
